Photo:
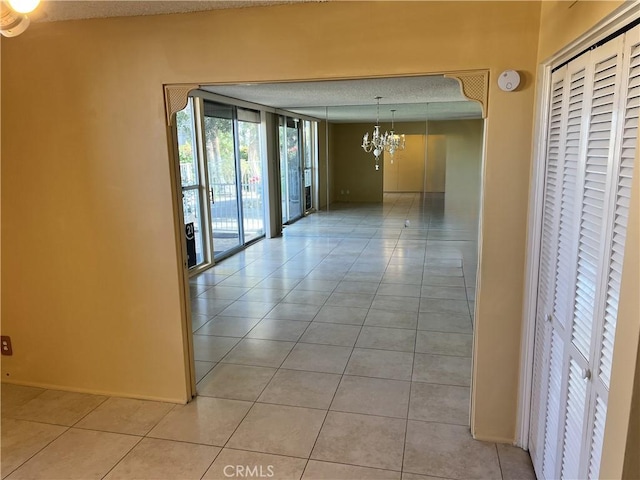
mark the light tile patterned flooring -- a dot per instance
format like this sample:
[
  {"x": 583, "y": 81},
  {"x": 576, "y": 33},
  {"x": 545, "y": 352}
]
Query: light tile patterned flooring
[{"x": 340, "y": 351}]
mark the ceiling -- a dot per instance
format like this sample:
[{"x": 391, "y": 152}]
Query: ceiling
[
  {"x": 416, "y": 98},
  {"x": 58, "y": 10}
]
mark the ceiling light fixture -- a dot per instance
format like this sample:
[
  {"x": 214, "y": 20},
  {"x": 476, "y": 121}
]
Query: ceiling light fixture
[
  {"x": 394, "y": 141},
  {"x": 23, "y": 6},
  {"x": 12, "y": 24},
  {"x": 378, "y": 141},
  {"x": 13, "y": 20}
]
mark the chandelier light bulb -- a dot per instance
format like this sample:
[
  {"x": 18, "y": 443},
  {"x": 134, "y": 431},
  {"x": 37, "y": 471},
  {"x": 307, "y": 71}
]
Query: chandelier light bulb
[{"x": 23, "y": 6}]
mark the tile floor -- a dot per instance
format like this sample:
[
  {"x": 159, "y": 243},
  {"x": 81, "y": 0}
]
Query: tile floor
[{"x": 339, "y": 351}]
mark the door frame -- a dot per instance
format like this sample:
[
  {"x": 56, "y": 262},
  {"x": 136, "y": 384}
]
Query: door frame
[
  {"x": 617, "y": 20},
  {"x": 174, "y": 100}
]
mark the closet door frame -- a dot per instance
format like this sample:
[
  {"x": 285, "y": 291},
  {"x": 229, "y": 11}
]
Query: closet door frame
[{"x": 621, "y": 17}]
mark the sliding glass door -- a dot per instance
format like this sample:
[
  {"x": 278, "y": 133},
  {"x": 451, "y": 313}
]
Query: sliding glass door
[
  {"x": 290, "y": 169},
  {"x": 222, "y": 178},
  {"x": 309, "y": 148},
  {"x": 234, "y": 165},
  {"x": 221, "y": 159},
  {"x": 192, "y": 185},
  {"x": 250, "y": 174},
  {"x": 221, "y": 174}
]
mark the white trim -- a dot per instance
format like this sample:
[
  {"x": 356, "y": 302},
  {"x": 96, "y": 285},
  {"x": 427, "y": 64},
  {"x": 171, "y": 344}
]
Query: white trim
[
  {"x": 534, "y": 242},
  {"x": 626, "y": 14}
]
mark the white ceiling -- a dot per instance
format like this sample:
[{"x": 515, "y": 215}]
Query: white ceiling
[{"x": 414, "y": 98}]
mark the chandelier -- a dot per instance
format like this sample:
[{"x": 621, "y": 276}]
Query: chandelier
[
  {"x": 394, "y": 141},
  {"x": 379, "y": 142}
]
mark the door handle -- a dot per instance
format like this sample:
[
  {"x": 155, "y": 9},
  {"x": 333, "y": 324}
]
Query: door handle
[{"x": 211, "y": 195}]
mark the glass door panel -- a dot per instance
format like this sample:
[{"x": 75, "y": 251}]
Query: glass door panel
[
  {"x": 193, "y": 214},
  {"x": 251, "y": 178},
  {"x": 191, "y": 182},
  {"x": 283, "y": 169},
  {"x": 294, "y": 172},
  {"x": 220, "y": 147},
  {"x": 309, "y": 154}
]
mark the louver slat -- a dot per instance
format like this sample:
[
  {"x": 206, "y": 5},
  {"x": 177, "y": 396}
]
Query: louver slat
[
  {"x": 547, "y": 264},
  {"x": 631, "y": 103},
  {"x": 564, "y": 265},
  {"x": 574, "y": 419},
  {"x": 597, "y": 438},
  {"x": 553, "y": 406},
  {"x": 593, "y": 201}
]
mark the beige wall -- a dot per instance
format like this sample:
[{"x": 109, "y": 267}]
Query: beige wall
[
  {"x": 436, "y": 163},
  {"x": 404, "y": 171},
  {"x": 562, "y": 22},
  {"x": 453, "y": 162},
  {"x": 407, "y": 172},
  {"x": 69, "y": 293},
  {"x": 463, "y": 165},
  {"x": 355, "y": 178}
]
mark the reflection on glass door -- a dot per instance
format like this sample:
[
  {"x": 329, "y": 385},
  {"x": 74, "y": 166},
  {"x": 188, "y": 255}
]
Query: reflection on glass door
[
  {"x": 220, "y": 147},
  {"x": 191, "y": 180},
  {"x": 234, "y": 175},
  {"x": 250, "y": 174},
  {"x": 290, "y": 169},
  {"x": 309, "y": 149}
]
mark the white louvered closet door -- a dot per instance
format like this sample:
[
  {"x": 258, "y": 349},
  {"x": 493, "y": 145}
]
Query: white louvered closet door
[
  {"x": 618, "y": 209},
  {"x": 593, "y": 126},
  {"x": 602, "y": 87},
  {"x": 556, "y": 136}
]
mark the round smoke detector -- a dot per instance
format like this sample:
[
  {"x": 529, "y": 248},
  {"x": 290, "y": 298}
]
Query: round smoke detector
[{"x": 509, "y": 80}]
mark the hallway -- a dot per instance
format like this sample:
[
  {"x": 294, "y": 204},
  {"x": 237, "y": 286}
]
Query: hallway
[{"x": 340, "y": 351}]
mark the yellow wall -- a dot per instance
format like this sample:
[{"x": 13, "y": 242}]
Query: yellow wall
[
  {"x": 355, "y": 178},
  {"x": 463, "y": 165},
  {"x": 89, "y": 255},
  {"x": 562, "y": 22},
  {"x": 407, "y": 172},
  {"x": 404, "y": 171},
  {"x": 453, "y": 163},
  {"x": 436, "y": 163}
]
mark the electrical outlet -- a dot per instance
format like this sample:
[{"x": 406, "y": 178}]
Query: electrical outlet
[
  {"x": 5, "y": 344},
  {"x": 347, "y": 192}
]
